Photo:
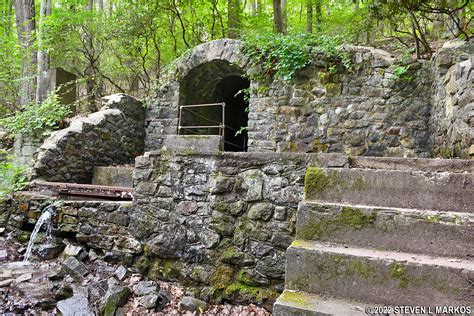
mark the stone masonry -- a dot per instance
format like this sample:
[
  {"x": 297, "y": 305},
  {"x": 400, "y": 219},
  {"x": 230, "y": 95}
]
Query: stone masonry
[
  {"x": 113, "y": 135},
  {"x": 368, "y": 110}
]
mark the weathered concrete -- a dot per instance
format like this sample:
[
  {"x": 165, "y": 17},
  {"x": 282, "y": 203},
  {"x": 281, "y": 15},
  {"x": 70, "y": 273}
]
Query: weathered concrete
[
  {"x": 294, "y": 303},
  {"x": 415, "y": 231},
  {"x": 119, "y": 176},
  {"x": 382, "y": 277},
  {"x": 442, "y": 191},
  {"x": 205, "y": 144}
]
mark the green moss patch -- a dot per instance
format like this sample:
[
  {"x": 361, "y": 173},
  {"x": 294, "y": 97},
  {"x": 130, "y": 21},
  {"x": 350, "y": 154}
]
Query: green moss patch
[
  {"x": 222, "y": 277},
  {"x": 352, "y": 218},
  {"x": 315, "y": 181}
]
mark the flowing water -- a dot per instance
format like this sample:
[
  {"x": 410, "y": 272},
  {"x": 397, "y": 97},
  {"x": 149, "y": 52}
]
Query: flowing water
[{"x": 45, "y": 219}]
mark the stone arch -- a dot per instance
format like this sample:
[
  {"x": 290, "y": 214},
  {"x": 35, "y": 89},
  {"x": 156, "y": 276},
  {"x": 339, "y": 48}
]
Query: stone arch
[
  {"x": 218, "y": 60},
  {"x": 215, "y": 72}
]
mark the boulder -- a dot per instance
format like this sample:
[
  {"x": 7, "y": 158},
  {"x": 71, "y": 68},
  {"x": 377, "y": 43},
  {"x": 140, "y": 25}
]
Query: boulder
[{"x": 192, "y": 304}]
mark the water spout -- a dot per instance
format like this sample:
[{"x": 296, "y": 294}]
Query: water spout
[{"x": 45, "y": 218}]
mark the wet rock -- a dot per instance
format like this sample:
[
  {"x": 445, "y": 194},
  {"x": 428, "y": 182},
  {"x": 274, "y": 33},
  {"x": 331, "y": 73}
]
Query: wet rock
[
  {"x": 47, "y": 252},
  {"x": 75, "y": 268},
  {"x": 76, "y": 305},
  {"x": 148, "y": 301},
  {"x": 121, "y": 273},
  {"x": 144, "y": 287},
  {"x": 192, "y": 304}
]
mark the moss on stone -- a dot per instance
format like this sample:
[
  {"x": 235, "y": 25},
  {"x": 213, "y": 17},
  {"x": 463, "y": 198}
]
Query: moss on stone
[
  {"x": 295, "y": 298},
  {"x": 165, "y": 270},
  {"x": 315, "y": 181},
  {"x": 255, "y": 293},
  {"x": 348, "y": 218},
  {"x": 222, "y": 277},
  {"x": 398, "y": 271},
  {"x": 320, "y": 148}
]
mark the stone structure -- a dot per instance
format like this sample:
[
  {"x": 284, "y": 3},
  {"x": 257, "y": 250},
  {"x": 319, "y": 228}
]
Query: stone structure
[
  {"x": 452, "y": 117},
  {"x": 221, "y": 222},
  {"x": 100, "y": 225},
  {"x": 326, "y": 108},
  {"x": 114, "y": 135}
]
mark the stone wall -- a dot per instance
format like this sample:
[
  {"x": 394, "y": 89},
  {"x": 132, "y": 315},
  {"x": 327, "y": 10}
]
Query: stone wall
[
  {"x": 220, "y": 223},
  {"x": 376, "y": 109},
  {"x": 25, "y": 149},
  {"x": 101, "y": 225},
  {"x": 113, "y": 135},
  {"x": 452, "y": 119}
]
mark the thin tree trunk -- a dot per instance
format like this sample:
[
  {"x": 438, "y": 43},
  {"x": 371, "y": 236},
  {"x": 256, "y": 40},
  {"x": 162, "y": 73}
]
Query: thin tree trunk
[
  {"x": 25, "y": 21},
  {"x": 43, "y": 56},
  {"x": 284, "y": 15},
  {"x": 233, "y": 18},
  {"x": 278, "y": 17},
  {"x": 319, "y": 14},
  {"x": 309, "y": 16}
]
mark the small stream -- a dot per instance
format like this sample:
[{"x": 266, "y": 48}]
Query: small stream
[{"x": 45, "y": 219}]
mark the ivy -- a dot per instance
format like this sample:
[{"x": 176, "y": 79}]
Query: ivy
[
  {"x": 36, "y": 119},
  {"x": 281, "y": 56}
]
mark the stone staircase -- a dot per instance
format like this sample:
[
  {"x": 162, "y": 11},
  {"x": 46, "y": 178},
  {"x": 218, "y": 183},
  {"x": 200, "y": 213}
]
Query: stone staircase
[{"x": 382, "y": 234}]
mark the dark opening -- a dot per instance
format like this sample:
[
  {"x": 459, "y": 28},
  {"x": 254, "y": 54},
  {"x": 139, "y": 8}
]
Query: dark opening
[{"x": 216, "y": 82}]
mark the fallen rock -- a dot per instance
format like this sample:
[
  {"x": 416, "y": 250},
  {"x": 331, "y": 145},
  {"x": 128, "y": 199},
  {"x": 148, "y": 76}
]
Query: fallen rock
[
  {"x": 192, "y": 304},
  {"x": 148, "y": 301},
  {"x": 2, "y": 230},
  {"x": 115, "y": 297},
  {"x": 24, "y": 277},
  {"x": 6, "y": 282},
  {"x": 164, "y": 297},
  {"x": 56, "y": 274},
  {"x": 76, "y": 305},
  {"x": 75, "y": 268},
  {"x": 75, "y": 251},
  {"x": 47, "y": 252},
  {"x": 64, "y": 292},
  {"x": 121, "y": 273},
  {"x": 145, "y": 287}
]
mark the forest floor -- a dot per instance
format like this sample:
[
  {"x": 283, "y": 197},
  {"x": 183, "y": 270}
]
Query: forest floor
[{"x": 39, "y": 287}]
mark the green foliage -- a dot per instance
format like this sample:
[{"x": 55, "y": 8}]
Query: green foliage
[
  {"x": 12, "y": 177},
  {"x": 36, "y": 119},
  {"x": 281, "y": 56}
]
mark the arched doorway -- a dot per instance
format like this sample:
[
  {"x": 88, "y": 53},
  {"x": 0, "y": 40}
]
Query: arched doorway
[{"x": 215, "y": 82}]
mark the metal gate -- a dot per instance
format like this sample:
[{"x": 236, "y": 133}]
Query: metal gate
[{"x": 217, "y": 125}]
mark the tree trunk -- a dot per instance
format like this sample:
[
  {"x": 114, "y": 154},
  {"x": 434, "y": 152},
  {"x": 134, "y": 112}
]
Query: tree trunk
[
  {"x": 25, "y": 22},
  {"x": 309, "y": 16},
  {"x": 319, "y": 14},
  {"x": 43, "y": 56},
  {"x": 233, "y": 18},
  {"x": 278, "y": 17},
  {"x": 284, "y": 15}
]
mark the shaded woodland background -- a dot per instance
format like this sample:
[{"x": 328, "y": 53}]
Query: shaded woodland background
[{"x": 126, "y": 46}]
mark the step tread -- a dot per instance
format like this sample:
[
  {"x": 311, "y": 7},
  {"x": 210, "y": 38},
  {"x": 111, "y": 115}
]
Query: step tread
[
  {"x": 301, "y": 303},
  {"x": 448, "y": 262},
  {"x": 464, "y": 218}
]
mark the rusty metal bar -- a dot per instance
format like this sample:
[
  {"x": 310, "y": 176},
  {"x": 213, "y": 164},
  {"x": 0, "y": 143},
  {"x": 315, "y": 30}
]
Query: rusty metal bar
[
  {"x": 211, "y": 126},
  {"x": 90, "y": 190}
]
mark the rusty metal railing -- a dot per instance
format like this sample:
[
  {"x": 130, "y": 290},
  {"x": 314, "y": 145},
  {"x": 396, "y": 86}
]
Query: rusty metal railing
[{"x": 220, "y": 125}]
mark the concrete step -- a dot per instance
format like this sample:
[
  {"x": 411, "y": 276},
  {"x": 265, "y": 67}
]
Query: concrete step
[
  {"x": 116, "y": 176},
  {"x": 381, "y": 277},
  {"x": 293, "y": 303},
  {"x": 446, "y": 234},
  {"x": 441, "y": 191}
]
